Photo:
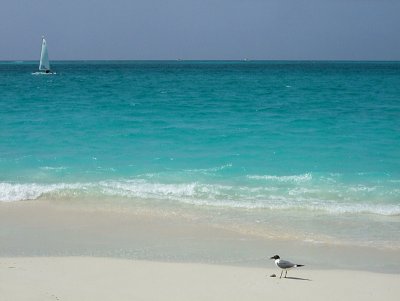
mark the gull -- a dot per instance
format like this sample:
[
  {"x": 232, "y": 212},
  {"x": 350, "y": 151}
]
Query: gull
[{"x": 284, "y": 264}]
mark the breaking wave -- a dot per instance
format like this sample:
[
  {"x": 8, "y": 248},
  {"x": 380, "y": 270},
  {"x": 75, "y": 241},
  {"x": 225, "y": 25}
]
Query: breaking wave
[
  {"x": 332, "y": 199},
  {"x": 295, "y": 178}
]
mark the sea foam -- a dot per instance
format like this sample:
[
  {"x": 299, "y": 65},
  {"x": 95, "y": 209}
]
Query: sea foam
[
  {"x": 30, "y": 191},
  {"x": 292, "y": 178},
  {"x": 213, "y": 195}
]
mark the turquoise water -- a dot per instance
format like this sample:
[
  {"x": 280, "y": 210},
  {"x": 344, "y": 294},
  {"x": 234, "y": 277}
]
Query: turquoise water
[{"x": 319, "y": 137}]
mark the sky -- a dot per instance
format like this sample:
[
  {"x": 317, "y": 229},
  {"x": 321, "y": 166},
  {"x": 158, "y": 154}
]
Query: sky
[{"x": 201, "y": 29}]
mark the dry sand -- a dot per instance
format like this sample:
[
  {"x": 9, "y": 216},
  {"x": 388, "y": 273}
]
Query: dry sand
[{"x": 91, "y": 278}]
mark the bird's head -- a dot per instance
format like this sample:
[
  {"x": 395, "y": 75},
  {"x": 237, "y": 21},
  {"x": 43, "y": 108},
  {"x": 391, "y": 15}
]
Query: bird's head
[{"x": 275, "y": 257}]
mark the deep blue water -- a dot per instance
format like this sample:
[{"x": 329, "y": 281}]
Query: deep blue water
[{"x": 319, "y": 136}]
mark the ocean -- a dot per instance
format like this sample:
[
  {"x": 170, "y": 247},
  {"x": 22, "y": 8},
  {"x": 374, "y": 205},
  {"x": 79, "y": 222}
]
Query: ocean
[{"x": 305, "y": 150}]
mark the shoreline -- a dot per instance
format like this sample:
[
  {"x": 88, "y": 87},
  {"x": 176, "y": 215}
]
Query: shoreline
[
  {"x": 58, "y": 229},
  {"x": 95, "y": 278}
]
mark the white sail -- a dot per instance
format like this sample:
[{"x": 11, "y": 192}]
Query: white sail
[{"x": 44, "y": 57}]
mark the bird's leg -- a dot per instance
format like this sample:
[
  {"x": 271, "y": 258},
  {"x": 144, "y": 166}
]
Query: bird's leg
[
  {"x": 281, "y": 274},
  {"x": 285, "y": 273}
]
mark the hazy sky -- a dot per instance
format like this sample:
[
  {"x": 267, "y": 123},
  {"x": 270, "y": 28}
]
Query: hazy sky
[{"x": 201, "y": 29}]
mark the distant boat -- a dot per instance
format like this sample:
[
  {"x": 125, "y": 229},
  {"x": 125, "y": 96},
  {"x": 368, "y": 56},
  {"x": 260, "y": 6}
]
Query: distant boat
[{"x": 44, "y": 65}]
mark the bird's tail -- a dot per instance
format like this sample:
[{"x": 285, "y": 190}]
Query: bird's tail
[{"x": 299, "y": 265}]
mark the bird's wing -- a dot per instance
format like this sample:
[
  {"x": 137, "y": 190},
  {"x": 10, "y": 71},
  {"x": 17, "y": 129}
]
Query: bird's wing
[{"x": 283, "y": 264}]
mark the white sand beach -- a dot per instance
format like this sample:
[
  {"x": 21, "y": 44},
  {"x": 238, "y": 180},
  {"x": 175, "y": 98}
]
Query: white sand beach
[
  {"x": 90, "y": 278},
  {"x": 54, "y": 251}
]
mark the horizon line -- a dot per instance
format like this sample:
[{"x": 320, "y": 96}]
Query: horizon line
[{"x": 206, "y": 60}]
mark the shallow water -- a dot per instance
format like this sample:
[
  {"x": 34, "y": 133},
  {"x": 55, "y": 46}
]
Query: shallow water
[{"x": 305, "y": 147}]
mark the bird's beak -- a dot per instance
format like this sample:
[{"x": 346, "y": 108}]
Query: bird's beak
[{"x": 272, "y": 258}]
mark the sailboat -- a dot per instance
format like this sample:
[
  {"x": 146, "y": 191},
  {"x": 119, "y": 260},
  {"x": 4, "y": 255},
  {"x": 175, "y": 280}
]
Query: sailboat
[{"x": 44, "y": 65}]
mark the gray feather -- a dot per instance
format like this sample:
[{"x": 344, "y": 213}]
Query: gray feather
[{"x": 283, "y": 264}]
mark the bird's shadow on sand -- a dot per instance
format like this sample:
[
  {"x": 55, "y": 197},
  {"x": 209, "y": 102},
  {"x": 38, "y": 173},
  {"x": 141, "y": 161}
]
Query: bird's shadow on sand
[{"x": 297, "y": 278}]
